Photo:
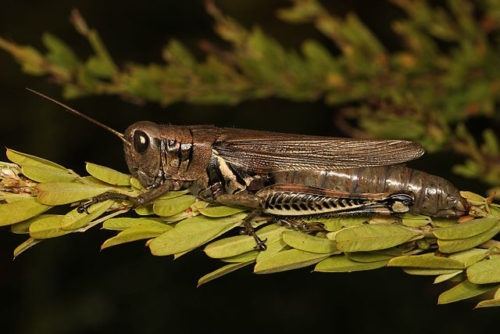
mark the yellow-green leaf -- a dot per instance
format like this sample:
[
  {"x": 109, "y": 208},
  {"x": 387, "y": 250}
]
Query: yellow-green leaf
[
  {"x": 172, "y": 206},
  {"x": 143, "y": 230},
  {"x": 373, "y": 237},
  {"x": 191, "y": 233},
  {"x": 425, "y": 261},
  {"x": 464, "y": 290},
  {"x": 48, "y": 174},
  {"x": 46, "y": 227},
  {"x": 245, "y": 257},
  {"x": 58, "y": 193},
  {"x": 484, "y": 272},
  {"x": 448, "y": 276},
  {"x": 23, "y": 159},
  {"x": 342, "y": 264},
  {"x": 15, "y": 212},
  {"x": 108, "y": 175},
  {"x": 123, "y": 223},
  {"x": 25, "y": 246},
  {"x": 239, "y": 244},
  {"x": 374, "y": 256},
  {"x": 219, "y": 211},
  {"x": 287, "y": 260},
  {"x": 309, "y": 243},
  {"x": 467, "y": 229},
  {"x": 222, "y": 271},
  {"x": 458, "y": 245},
  {"x": 74, "y": 219}
]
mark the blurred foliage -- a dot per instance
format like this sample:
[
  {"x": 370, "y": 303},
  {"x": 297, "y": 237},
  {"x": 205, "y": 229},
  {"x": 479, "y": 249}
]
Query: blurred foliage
[
  {"x": 462, "y": 251},
  {"x": 444, "y": 74}
]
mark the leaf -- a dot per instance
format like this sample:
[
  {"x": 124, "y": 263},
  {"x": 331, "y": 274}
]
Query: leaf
[
  {"x": 374, "y": 256},
  {"x": 219, "y": 211},
  {"x": 429, "y": 272},
  {"x": 458, "y": 245},
  {"x": 342, "y": 264},
  {"x": 21, "y": 228},
  {"x": 464, "y": 290},
  {"x": 23, "y": 159},
  {"x": 123, "y": 223},
  {"x": 172, "y": 206},
  {"x": 191, "y": 233},
  {"x": 309, "y": 243},
  {"x": 470, "y": 256},
  {"x": 227, "y": 269},
  {"x": 108, "y": 175},
  {"x": 15, "y": 212},
  {"x": 287, "y": 260},
  {"x": 74, "y": 219},
  {"x": 44, "y": 174},
  {"x": 142, "y": 230},
  {"x": 446, "y": 277},
  {"x": 467, "y": 229},
  {"x": 58, "y": 193},
  {"x": 25, "y": 246},
  {"x": 46, "y": 227},
  {"x": 425, "y": 261},
  {"x": 373, "y": 237},
  {"x": 484, "y": 272},
  {"x": 59, "y": 52},
  {"x": 233, "y": 246}
]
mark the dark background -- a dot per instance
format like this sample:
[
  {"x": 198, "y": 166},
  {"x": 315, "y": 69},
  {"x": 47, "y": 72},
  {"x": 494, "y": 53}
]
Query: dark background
[{"x": 66, "y": 285}]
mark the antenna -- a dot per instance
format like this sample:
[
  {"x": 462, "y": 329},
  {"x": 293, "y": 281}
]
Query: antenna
[{"x": 88, "y": 118}]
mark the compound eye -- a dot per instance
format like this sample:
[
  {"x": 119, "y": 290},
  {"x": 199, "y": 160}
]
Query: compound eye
[{"x": 141, "y": 141}]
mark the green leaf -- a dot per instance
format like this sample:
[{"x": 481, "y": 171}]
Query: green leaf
[
  {"x": 108, "y": 175},
  {"x": 470, "y": 256},
  {"x": 446, "y": 277},
  {"x": 288, "y": 260},
  {"x": 429, "y": 272},
  {"x": 15, "y": 212},
  {"x": 172, "y": 206},
  {"x": 23, "y": 159},
  {"x": 239, "y": 244},
  {"x": 458, "y": 245},
  {"x": 25, "y": 246},
  {"x": 46, "y": 227},
  {"x": 123, "y": 223},
  {"x": 464, "y": 290},
  {"x": 245, "y": 257},
  {"x": 342, "y": 264},
  {"x": 59, "y": 52},
  {"x": 74, "y": 219},
  {"x": 484, "y": 272},
  {"x": 191, "y": 233},
  {"x": 58, "y": 193},
  {"x": 309, "y": 243},
  {"x": 374, "y": 256},
  {"x": 425, "y": 261},
  {"x": 219, "y": 211},
  {"x": 373, "y": 237},
  {"x": 21, "y": 228},
  {"x": 44, "y": 174},
  {"x": 467, "y": 229},
  {"x": 143, "y": 230},
  {"x": 227, "y": 269}
]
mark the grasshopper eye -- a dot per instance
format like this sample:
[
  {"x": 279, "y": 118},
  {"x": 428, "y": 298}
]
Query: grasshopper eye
[{"x": 141, "y": 141}]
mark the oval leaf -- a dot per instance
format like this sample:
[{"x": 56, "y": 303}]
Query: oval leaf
[
  {"x": 484, "y": 272},
  {"x": 23, "y": 159},
  {"x": 219, "y": 211},
  {"x": 467, "y": 229},
  {"x": 44, "y": 174},
  {"x": 191, "y": 233},
  {"x": 46, "y": 227},
  {"x": 222, "y": 271},
  {"x": 108, "y": 175},
  {"x": 463, "y": 290},
  {"x": 143, "y": 230},
  {"x": 15, "y": 212},
  {"x": 287, "y": 260},
  {"x": 342, "y": 264},
  {"x": 123, "y": 223},
  {"x": 309, "y": 243},
  {"x": 58, "y": 193},
  {"x": 458, "y": 245},
  {"x": 425, "y": 261},
  {"x": 373, "y": 237},
  {"x": 172, "y": 206}
]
